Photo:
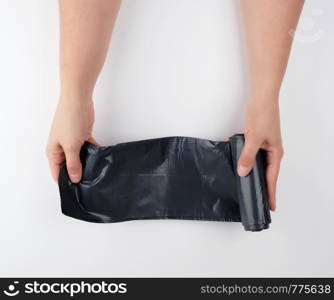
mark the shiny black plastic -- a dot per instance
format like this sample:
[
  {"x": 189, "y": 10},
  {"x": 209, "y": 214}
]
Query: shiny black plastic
[{"x": 167, "y": 178}]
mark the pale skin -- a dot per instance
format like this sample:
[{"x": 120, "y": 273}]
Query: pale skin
[{"x": 86, "y": 27}]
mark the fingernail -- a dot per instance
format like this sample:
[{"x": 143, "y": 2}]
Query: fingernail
[
  {"x": 242, "y": 171},
  {"x": 74, "y": 177}
]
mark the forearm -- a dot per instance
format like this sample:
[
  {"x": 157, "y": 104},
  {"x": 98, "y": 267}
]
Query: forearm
[
  {"x": 267, "y": 24},
  {"x": 85, "y": 32},
  {"x": 267, "y": 27}
]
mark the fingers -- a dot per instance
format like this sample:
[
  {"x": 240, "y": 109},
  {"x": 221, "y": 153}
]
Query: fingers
[
  {"x": 55, "y": 161},
  {"x": 55, "y": 157},
  {"x": 73, "y": 163},
  {"x": 93, "y": 141},
  {"x": 247, "y": 156},
  {"x": 57, "y": 154},
  {"x": 274, "y": 158}
]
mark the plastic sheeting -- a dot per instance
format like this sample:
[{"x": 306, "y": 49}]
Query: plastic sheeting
[{"x": 167, "y": 178}]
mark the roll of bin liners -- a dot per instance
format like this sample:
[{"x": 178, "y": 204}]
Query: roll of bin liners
[{"x": 167, "y": 178}]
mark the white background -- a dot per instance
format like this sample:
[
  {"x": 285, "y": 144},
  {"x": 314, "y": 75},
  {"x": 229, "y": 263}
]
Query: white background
[{"x": 175, "y": 67}]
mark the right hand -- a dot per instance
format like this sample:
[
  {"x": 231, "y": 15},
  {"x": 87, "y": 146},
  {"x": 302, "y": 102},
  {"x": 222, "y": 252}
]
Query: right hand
[
  {"x": 71, "y": 127},
  {"x": 263, "y": 131}
]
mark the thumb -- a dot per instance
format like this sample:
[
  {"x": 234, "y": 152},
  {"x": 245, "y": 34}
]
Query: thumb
[
  {"x": 247, "y": 157},
  {"x": 73, "y": 164}
]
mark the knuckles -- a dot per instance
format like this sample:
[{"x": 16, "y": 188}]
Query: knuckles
[{"x": 71, "y": 148}]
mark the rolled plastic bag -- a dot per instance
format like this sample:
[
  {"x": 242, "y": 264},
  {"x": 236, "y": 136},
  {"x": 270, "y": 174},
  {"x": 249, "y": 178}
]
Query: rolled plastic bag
[
  {"x": 252, "y": 189},
  {"x": 167, "y": 178}
]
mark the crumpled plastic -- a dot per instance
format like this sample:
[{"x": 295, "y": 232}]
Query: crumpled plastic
[{"x": 167, "y": 178}]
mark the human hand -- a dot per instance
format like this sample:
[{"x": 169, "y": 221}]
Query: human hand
[
  {"x": 262, "y": 130},
  {"x": 72, "y": 126}
]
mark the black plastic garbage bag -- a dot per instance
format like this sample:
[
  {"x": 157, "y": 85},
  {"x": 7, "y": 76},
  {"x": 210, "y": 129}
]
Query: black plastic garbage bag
[{"x": 167, "y": 178}]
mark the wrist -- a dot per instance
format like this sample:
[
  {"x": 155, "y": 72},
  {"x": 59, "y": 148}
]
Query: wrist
[
  {"x": 261, "y": 88},
  {"x": 264, "y": 95},
  {"x": 77, "y": 95}
]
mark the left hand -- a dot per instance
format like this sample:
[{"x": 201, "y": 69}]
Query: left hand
[{"x": 262, "y": 130}]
